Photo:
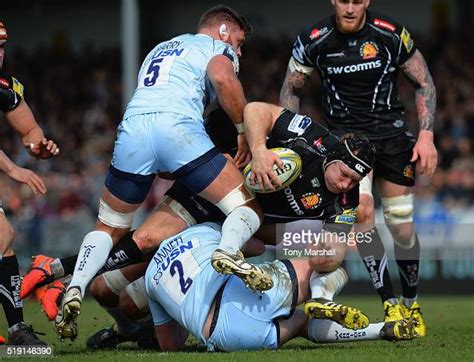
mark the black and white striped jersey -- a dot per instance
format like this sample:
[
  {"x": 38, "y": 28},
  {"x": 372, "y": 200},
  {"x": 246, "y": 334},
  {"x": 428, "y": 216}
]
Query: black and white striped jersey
[{"x": 359, "y": 73}]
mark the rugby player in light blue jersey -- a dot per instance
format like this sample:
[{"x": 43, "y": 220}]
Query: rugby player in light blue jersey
[
  {"x": 163, "y": 131},
  {"x": 185, "y": 294}
]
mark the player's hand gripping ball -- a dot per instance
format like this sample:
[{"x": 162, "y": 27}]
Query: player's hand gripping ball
[{"x": 292, "y": 165}]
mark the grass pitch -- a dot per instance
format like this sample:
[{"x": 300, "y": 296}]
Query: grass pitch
[{"x": 450, "y": 321}]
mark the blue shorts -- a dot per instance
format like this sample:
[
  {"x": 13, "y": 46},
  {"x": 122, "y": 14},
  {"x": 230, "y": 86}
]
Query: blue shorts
[
  {"x": 244, "y": 320},
  {"x": 161, "y": 142}
]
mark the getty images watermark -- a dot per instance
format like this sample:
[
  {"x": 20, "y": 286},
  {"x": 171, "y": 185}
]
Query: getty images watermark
[{"x": 308, "y": 243}]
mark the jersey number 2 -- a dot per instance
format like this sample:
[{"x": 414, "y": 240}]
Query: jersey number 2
[{"x": 184, "y": 283}]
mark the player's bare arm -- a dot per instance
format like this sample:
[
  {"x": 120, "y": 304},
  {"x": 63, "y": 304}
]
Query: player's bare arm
[
  {"x": 22, "y": 175},
  {"x": 291, "y": 89},
  {"x": 171, "y": 336},
  {"x": 23, "y": 122},
  {"x": 418, "y": 73},
  {"x": 259, "y": 119},
  {"x": 231, "y": 97}
]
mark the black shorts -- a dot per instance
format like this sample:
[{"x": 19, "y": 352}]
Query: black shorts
[
  {"x": 392, "y": 159},
  {"x": 199, "y": 208}
]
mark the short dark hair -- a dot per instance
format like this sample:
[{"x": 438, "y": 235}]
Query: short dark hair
[{"x": 219, "y": 14}]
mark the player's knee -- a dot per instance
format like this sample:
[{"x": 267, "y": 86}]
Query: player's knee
[
  {"x": 365, "y": 210},
  {"x": 322, "y": 264},
  {"x": 133, "y": 300},
  {"x": 239, "y": 196},
  {"x": 128, "y": 306},
  {"x": 403, "y": 235},
  {"x": 8, "y": 234},
  {"x": 329, "y": 257},
  {"x": 399, "y": 209},
  {"x": 101, "y": 292},
  {"x": 114, "y": 219},
  {"x": 145, "y": 240},
  {"x": 398, "y": 214}
]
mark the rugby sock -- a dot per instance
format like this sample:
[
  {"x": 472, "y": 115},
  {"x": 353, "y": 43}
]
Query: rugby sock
[
  {"x": 327, "y": 285},
  {"x": 408, "y": 261},
  {"x": 326, "y": 331},
  {"x": 92, "y": 256},
  {"x": 67, "y": 264},
  {"x": 124, "y": 253},
  {"x": 375, "y": 259},
  {"x": 125, "y": 326},
  {"x": 238, "y": 227},
  {"x": 10, "y": 282}
]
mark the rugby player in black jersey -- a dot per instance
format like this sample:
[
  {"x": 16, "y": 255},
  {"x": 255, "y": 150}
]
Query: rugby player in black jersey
[
  {"x": 358, "y": 55},
  {"x": 19, "y": 116}
]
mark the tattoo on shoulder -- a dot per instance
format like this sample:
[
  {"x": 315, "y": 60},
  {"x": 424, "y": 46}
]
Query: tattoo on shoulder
[
  {"x": 291, "y": 90},
  {"x": 418, "y": 73}
]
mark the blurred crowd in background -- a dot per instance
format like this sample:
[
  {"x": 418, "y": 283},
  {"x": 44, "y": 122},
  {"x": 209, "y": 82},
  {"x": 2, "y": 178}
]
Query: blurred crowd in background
[{"x": 76, "y": 96}]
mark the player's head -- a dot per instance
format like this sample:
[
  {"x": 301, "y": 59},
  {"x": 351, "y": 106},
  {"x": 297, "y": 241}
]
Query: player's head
[
  {"x": 3, "y": 41},
  {"x": 350, "y": 14},
  {"x": 225, "y": 24},
  {"x": 348, "y": 162}
]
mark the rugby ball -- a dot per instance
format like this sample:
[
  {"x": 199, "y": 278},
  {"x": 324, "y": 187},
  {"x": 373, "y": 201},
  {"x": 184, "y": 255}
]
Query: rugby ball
[{"x": 291, "y": 170}]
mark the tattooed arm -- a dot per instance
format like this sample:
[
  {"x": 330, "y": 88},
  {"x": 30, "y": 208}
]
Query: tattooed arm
[
  {"x": 418, "y": 73},
  {"x": 291, "y": 89}
]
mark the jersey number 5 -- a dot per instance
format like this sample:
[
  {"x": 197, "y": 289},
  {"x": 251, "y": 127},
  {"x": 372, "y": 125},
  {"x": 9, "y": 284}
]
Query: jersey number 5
[{"x": 153, "y": 72}]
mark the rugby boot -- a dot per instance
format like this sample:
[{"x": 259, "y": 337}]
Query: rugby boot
[
  {"x": 39, "y": 275},
  {"x": 22, "y": 334},
  {"x": 396, "y": 327},
  {"x": 414, "y": 313},
  {"x": 66, "y": 320},
  {"x": 2, "y": 340},
  {"x": 107, "y": 338},
  {"x": 252, "y": 276},
  {"x": 348, "y": 317},
  {"x": 52, "y": 299}
]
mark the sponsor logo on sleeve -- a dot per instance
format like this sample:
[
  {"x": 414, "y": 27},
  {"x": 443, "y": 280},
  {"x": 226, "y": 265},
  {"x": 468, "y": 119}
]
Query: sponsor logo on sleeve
[
  {"x": 407, "y": 40},
  {"x": 316, "y": 33},
  {"x": 368, "y": 50},
  {"x": 384, "y": 24},
  {"x": 299, "y": 124},
  {"x": 18, "y": 87},
  {"x": 318, "y": 144}
]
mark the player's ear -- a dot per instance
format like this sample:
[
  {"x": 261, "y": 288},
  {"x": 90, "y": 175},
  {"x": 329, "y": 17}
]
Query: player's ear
[{"x": 223, "y": 33}]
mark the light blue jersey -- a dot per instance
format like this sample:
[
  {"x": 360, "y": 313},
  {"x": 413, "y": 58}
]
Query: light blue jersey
[
  {"x": 180, "y": 281},
  {"x": 173, "y": 76}
]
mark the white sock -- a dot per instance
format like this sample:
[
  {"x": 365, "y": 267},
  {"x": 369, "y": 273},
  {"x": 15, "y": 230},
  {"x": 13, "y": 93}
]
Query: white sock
[
  {"x": 91, "y": 258},
  {"x": 326, "y": 331},
  {"x": 328, "y": 285},
  {"x": 238, "y": 227}
]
